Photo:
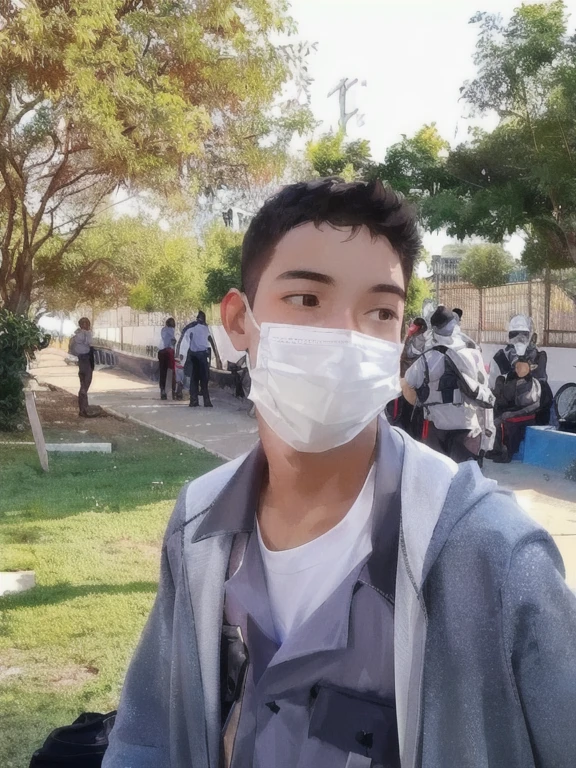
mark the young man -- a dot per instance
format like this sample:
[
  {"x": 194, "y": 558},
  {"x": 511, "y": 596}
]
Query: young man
[
  {"x": 166, "y": 357},
  {"x": 81, "y": 346},
  {"x": 344, "y": 597},
  {"x": 452, "y": 386}
]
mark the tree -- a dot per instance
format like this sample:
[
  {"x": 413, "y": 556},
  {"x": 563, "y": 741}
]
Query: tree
[
  {"x": 146, "y": 95},
  {"x": 486, "y": 265},
  {"x": 519, "y": 177},
  {"x": 331, "y": 155},
  {"x": 415, "y": 166},
  {"x": 99, "y": 269},
  {"x": 221, "y": 256},
  {"x": 172, "y": 281},
  {"x": 418, "y": 291},
  {"x": 456, "y": 250}
]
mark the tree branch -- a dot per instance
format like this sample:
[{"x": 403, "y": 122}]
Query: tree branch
[{"x": 28, "y": 106}]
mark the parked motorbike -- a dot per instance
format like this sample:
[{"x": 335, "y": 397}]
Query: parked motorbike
[{"x": 241, "y": 380}]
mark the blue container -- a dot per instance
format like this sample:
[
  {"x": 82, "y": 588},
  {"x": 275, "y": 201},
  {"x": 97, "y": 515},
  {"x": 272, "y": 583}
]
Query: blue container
[{"x": 547, "y": 448}]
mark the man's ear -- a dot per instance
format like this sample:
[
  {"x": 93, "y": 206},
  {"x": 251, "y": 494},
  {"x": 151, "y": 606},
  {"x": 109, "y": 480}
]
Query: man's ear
[{"x": 233, "y": 314}]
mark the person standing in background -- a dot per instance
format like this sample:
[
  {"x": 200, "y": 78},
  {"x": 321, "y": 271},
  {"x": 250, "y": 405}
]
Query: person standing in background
[
  {"x": 451, "y": 384},
  {"x": 166, "y": 357},
  {"x": 81, "y": 346},
  {"x": 197, "y": 366}
]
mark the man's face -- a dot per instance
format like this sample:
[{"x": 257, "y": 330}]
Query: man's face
[
  {"x": 325, "y": 278},
  {"x": 85, "y": 325}
]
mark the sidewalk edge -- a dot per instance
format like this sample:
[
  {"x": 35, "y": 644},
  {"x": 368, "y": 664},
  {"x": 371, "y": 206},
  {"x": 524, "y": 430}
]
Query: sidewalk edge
[{"x": 180, "y": 438}]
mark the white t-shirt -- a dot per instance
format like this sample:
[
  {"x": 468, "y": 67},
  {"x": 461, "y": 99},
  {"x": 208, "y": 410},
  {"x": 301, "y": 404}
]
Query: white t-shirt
[{"x": 301, "y": 579}]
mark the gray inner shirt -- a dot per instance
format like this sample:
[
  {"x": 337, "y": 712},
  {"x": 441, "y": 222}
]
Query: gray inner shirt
[{"x": 325, "y": 698}]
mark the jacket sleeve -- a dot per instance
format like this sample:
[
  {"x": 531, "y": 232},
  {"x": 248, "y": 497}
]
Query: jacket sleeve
[
  {"x": 540, "y": 623},
  {"x": 493, "y": 374},
  {"x": 415, "y": 374},
  {"x": 140, "y": 737}
]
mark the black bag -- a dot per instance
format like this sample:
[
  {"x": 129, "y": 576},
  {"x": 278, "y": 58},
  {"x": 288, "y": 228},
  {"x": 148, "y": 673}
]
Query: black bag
[{"x": 80, "y": 745}]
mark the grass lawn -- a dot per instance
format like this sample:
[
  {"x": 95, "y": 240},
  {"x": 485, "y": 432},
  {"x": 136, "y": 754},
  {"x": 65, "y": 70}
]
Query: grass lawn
[{"x": 91, "y": 529}]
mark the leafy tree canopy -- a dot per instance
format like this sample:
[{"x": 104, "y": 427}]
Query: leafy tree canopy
[
  {"x": 518, "y": 178},
  {"x": 418, "y": 291},
  {"x": 486, "y": 265},
  {"x": 221, "y": 255},
  {"x": 332, "y": 155},
  {"x": 172, "y": 97}
]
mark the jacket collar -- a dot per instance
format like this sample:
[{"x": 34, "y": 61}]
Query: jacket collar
[{"x": 234, "y": 509}]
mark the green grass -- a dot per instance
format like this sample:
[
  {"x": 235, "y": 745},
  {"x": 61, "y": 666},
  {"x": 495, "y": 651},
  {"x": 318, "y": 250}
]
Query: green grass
[{"x": 91, "y": 529}]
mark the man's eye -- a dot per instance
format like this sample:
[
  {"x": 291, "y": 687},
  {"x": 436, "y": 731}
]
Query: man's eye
[
  {"x": 303, "y": 300},
  {"x": 383, "y": 315}
]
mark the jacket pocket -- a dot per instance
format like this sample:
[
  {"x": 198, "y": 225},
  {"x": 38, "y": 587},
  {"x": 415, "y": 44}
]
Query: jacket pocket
[{"x": 357, "y": 725}]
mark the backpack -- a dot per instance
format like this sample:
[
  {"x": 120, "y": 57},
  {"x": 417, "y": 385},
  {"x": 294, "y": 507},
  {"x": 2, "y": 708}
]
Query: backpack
[
  {"x": 80, "y": 745},
  {"x": 461, "y": 372}
]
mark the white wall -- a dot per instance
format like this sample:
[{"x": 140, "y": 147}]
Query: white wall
[
  {"x": 561, "y": 363},
  {"x": 143, "y": 335},
  {"x": 149, "y": 335}
]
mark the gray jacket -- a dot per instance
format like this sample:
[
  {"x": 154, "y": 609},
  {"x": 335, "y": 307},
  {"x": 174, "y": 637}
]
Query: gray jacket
[{"x": 484, "y": 631}]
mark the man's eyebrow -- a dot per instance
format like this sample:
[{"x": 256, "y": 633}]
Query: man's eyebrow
[
  {"x": 389, "y": 288},
  {"x": 304, "y": 274}
]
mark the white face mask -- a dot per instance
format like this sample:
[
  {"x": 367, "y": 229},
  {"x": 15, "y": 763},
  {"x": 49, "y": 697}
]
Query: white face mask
[
  {"x": 520, "y": 344},
  {"x": 318, "y": 388}
]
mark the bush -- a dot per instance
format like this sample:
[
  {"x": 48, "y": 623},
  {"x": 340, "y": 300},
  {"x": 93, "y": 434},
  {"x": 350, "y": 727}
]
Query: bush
[{"x": 19, "y": 339}]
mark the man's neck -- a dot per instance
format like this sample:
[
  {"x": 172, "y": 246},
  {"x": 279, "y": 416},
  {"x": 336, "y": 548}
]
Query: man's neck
[{"x": 307, "y": 494}]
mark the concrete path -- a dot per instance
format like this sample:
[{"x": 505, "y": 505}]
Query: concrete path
[
  {"x": 228, "y": 431},
  {"x": 225, "y": 430}
]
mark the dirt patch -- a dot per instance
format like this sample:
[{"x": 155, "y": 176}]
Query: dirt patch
[
  {"x": 17, "y": 665},
  {"x": 58, "y": 412},
  {"x": 148, "y": 549},
  {"x": 7, "y": 672},
  {"x": 72, "y": 675}
]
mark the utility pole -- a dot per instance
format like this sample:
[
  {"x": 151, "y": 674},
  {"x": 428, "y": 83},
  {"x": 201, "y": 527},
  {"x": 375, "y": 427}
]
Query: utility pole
[{"x": 342, "y": 89}]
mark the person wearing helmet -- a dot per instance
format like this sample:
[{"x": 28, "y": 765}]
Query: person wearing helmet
[
  {"x": 415, "y": 343},
  {"x": 401, "y": 412},
  {"x": 521, "y": 346},
  {"x": 450, "y": 384},
  {"x": 519, "y": 381}
]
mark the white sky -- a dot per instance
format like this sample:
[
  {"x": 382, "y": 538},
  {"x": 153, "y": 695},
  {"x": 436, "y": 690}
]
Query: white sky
[{"x": 414, "y": 55}]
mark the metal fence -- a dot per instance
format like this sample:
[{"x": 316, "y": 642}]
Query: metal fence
[
  {"x": 550, "y": 301},
  {"x": 132, "y": 349}
]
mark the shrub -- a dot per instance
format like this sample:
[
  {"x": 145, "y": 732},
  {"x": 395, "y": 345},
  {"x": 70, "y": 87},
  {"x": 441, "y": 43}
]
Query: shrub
[{"x": 19, "y": 339}]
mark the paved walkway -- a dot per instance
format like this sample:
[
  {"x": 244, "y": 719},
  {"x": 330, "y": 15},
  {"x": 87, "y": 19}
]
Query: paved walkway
[
  {"x": 228, "y": 431},
  {"x": 225, "y": 430}
]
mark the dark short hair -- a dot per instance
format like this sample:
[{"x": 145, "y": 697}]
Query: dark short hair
[
  {"x": 171, "y": 323},
  {"x": 333, "y": 201},
  {"x": 458, "y": 311}
]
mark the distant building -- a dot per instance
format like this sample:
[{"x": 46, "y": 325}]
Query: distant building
[{"x": 446, "y": 268}]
